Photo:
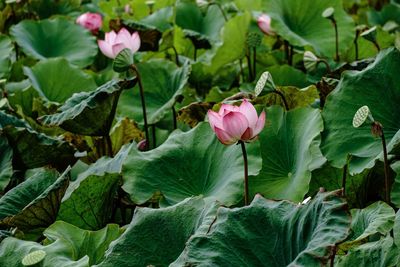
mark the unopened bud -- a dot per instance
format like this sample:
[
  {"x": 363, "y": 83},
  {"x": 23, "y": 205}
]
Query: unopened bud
[{"x": 142, "y": 145}]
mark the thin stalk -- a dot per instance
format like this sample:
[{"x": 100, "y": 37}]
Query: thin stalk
[
  {"x": 337, "y": 58},
  {"x": 328, "y": 68},
  {"x": 376, "y": 45},
  {"x": 246, "y": 173},
  {"x": 356, "y": 45},
  {"x": 141, "y": 90},
  {"x": 332, "y": 263},
  {"x": 176, "y": 56},
  {"x": 174, "y": 117},
  {"x": 195, "y": 54},
  {"x": 285, "y": 103},
  {"x": 386, "y": 168},
  {"x": 109, "y": 145},
  {"x": 254, "y": 62},
  {"x": 250, "y": 68}
]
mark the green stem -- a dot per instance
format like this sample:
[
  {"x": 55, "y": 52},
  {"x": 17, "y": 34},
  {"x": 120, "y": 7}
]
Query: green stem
[
  {"x": 222, "y": 11},
  {"x": 109, "y": 145},
  {"x": 174, "y": 117},
  {"x": 356, "y": 45},
  {"x": 250, "y": 68},
  {"x": 344, "y": 178},
  {"x": 176, "y": 56},
  {"x": 328, "y": 68},
  {"x": 141, "y": 90},
  {"x": 246, "y": 173},
  {"x": 336, "y": 39},
  {"x": 377, "y": 46}
]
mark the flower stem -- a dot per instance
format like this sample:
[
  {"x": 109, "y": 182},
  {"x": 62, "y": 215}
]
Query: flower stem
[
  {"x": 109, "y": 145},
  {"x": 141, "y": 90},
  {"x": 246, "y": 173},
  {"x": 386, "y": 168},
  {"x": 176, "y": 56},
  {"x": 153, "y": 134},
  {"x": 174, "y": 117},
  {"x": 337, "y": 58},
  {"x": 328, "y": 68},
  {"x": 344, "y": 177},
  {"x": 254, "y": 62}
]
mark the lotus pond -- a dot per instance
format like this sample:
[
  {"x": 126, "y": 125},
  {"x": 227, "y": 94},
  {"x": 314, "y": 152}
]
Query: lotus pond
[{"x": 199, "y": 133}]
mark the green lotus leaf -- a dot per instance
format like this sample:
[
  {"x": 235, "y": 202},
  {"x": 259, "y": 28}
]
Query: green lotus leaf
[
  {"x": 56, "y": 79},
  {"x": 57, "y": 37},
  {"x": 65, "y": 245},
  {"x": 89, "y": 113},
  {"x": 6, "y": 168},
  {"x": 42, "y": 210},
  {"x": 20, "y": 196},
  {"x": 232, "y": 45},
  {"x": 375, "y": 220},
  {"x": 160, "y": 90},
  {"x": 376, "y": 87},
  {"x": 202, "y": 30},
  {"x": 302, "y": 24},
  {"x": 88, "y": 200},
  {"x": 156, "y": 236},
  {"x": 389, "y": 12},
  {"x": 47, "y": 8},
  {"x": 48, "y": 150},
  {"x": 271, "y": 233},
  {"x": 381, "y": 253},
  {"x": 214, "y": 171},
  {"x": 395, "y": 194},
  {"x": 6, "y": 49},
  {"x": 286, "y": 143}
]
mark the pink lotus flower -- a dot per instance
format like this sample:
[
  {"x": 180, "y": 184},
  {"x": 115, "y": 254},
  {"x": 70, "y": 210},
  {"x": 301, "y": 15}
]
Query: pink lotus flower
[
  {"x": 264, "y": 23},
  {"x": 90, "y": 21},
  {"x": 115, "y": 42},
  {"x": 232, "y": 123}
]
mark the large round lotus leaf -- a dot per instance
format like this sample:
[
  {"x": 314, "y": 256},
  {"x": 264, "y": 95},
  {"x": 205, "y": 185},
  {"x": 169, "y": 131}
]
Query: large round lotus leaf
[
  {"x": 56, "y": 38},
  {"x": 301, "y": 23},
  {"x": 270, "y": 233},
  {"x": 57, "y": 80},
  {"x": 65, "y": 245},
  {"x": 375, "y": 87},
  {"x": 189, "y": 164},
  {"x": 162, "y": 82},
  {"x": 286, "y": 143},
  {"x": 156, "y": 237}
]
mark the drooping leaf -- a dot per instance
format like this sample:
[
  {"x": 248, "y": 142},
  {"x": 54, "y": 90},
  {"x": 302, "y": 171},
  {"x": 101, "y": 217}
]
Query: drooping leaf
[
  {"x": 65, "y": 245},
  {"x": 381, "y": 253},
  {"x": 156, "y": 237},
  {"x": 270, "y": 233},
  {"x": 374, "y": 221},
  {"x": 89, "y": 113},
  {"x": 88, "y": 201},
  {"x": 42, "y": 210},
  {"x": 56, "y": 37},
  {"x": 57, "y": 80},
  {"x": 160, "y": 90},
  {"x": 47, "y": 150},
  {"x": 286, "y": 145},
  {"x": 375, "y": 87},
  {"x": 214, "y": 171},
  {"x": 302, "y": 24},
  {"x": 20, "y": 196},
  {"x": 6, "y": 48}
]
